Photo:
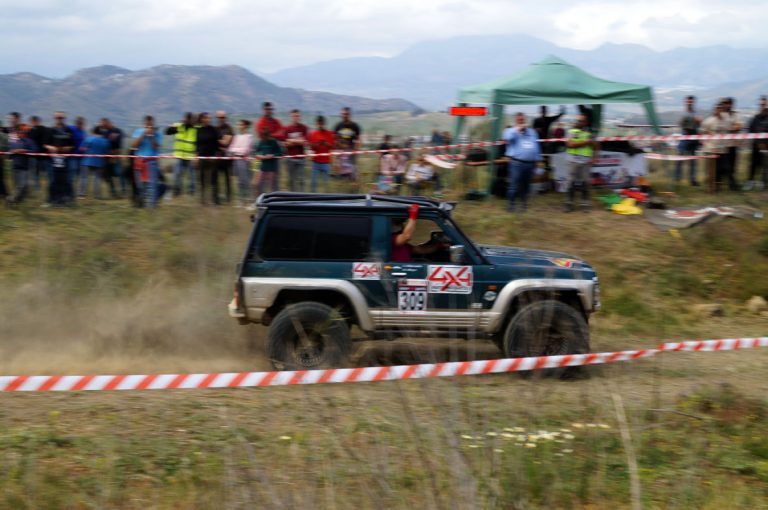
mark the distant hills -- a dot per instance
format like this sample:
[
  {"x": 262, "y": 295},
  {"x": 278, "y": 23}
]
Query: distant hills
[
  {"x": 426, "y": 75},
  {"x": 430, "y": 73},
  {"x": 167, "y": 91}
]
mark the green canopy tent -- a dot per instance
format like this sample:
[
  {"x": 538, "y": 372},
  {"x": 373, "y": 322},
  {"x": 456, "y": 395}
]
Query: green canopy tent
[{"x": 554, "y": 81}]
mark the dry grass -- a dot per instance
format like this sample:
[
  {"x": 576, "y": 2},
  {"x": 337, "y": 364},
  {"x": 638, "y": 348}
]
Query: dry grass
[{"x": 105, "y": 288}]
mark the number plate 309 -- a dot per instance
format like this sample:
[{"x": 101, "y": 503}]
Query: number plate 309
[{"x": 412, "y": 299}]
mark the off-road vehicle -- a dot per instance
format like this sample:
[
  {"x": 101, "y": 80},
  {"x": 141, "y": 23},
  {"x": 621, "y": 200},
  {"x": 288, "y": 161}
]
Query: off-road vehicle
[{"x": 318, "y": 264}]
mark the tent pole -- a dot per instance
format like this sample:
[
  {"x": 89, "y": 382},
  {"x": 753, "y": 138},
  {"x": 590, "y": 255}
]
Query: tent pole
[
  {"x": 597, "y": 113},
  {"x": 457, "y": 129},
  {"x": 498, "y": 119},
  {"x": 650, "y": 111}
]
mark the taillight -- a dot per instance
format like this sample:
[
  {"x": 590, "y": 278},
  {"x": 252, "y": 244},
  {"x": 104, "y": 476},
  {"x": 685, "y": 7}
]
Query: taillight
[{"x": 236, "y": 297}]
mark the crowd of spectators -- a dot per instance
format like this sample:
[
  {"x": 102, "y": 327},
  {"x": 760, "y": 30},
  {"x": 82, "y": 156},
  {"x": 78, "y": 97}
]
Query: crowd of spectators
[
  {"x": 208, "y": 153},
  {"x": 207, "y": 156}
]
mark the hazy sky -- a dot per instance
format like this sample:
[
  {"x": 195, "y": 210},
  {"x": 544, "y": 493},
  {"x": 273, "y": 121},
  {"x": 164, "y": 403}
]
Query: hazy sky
[{"x": 53, "y": 37}]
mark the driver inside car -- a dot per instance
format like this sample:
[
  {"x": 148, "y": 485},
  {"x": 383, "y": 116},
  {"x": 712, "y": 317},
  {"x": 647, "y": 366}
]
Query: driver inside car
[{"x": 402, "y": 232}]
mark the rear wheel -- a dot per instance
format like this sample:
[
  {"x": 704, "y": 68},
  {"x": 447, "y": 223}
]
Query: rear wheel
[
  {"x": 547, "y": 328},
  {"x": 308, "y": 335}
]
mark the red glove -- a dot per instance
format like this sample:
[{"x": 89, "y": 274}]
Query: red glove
[{"x": 413, "y": 212}]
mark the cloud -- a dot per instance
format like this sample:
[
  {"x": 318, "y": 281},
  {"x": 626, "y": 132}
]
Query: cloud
[
  {"x": 664, "y": 24},
  {"x": 55, "y": 38}
]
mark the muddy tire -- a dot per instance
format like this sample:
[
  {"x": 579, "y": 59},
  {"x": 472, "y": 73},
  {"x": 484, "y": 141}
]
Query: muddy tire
[
  {"x": 308, "y": 335},
  {"x": 547, "y": 328}
]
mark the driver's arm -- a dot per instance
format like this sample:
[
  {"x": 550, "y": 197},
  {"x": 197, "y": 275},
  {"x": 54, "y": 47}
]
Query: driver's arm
[{"x": 410, "y": 226}]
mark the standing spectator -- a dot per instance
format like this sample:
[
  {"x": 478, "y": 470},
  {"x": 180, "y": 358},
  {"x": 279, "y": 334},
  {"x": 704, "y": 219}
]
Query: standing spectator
[
  {"x": 94, "y": 146},
  {"x": 436, "y": 140},
  {"x": 14, "y": 121},
  {"x": 589, "y": 114},
  {"x": 5, "y": 133},
  {"x": 719, "y": 123},
  {"x": 207, "y": 147},
  {"x": 60, "y": 141},
  {"x": 407, "y": 144},
  {"x": 733, "y": 145},
  {"x": 524, "y": 151},
  {"x": 581, "y": 148},
  {"x": 348, "y": 139},
  {"x": 268, "y": 150},
  {"x": 558, "y": 132},
  {"x": 758, "y": 124},
  {"x": 543, "y": 122},
  {"x": 184, "y": 149},
  {"x": 19, "y": 145},
  {"x": 321, "y": 141},
  {"x": 147, "y": 142},
  {"x": 296, "y": 135},
  {"x": 385, "y": 145},
  {"x": 689, "y": 123},
  {"x": 74, "y": 163},
  {"x": 114, "y": 166},
  {"x": 268, "y": 121},
  {"x": 241, "y": 147},
  {"x": 224, "y": 166},
  {"x": 8, "y": 135},
  {"x": 542, "y": 125},
  {"x": 38, "y": 164}
]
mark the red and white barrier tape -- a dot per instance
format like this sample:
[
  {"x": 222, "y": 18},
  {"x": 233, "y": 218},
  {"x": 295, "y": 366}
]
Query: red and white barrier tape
[
  {"x": 37, "y": 383},
  {"x": 647, "y": 138},
  {"x": 672, "y": 157}
]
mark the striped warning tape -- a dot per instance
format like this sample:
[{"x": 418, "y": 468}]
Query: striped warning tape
[
  {"x": 39, "y": 383},
  {"x": 672, "y": 157}
]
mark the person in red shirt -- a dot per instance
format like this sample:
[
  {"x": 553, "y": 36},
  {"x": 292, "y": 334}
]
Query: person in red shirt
[
  {"x": 269, "y": 122},
  {"x": 296, "y": 135},
  {"x": 321, "y": 141}
]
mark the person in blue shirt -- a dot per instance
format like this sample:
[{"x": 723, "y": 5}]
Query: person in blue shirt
[
  {"x": 147, "y": 142},
  {"x": 94, "y": 146},
  {"x": 524, "y": 152},
  {"x": 78, "y": 135}
]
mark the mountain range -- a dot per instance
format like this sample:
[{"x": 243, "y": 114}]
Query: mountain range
[
  {"x": 429, "y": 73},
  {"x": 166, "y": 91},
  {"x": 426, "y": 75}
]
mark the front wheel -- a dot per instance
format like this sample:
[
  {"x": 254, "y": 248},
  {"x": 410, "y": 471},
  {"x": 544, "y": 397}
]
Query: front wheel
[
  {"x": 306, "y": 336},
  {"x": 546, "y": 328}
]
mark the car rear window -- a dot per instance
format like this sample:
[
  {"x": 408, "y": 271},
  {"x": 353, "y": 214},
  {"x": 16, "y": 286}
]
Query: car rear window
[{"x": 316, "y": 238}]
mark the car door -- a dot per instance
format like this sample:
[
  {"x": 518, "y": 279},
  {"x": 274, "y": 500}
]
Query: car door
[{"x": 428, "y": 291}]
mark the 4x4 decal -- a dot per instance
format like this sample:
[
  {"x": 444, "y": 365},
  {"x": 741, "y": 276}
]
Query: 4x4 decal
[
  {"x": 366, "y": 271},
  {"x": 449, "y": 279}
]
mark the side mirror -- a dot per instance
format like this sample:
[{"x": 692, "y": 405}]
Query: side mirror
[{"x": 457, "y": 254}]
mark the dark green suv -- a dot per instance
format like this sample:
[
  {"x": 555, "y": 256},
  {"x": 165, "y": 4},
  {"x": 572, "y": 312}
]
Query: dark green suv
[{"x": 317, "y": 264}]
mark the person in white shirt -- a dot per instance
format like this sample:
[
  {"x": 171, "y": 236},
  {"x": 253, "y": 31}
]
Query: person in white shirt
[
  {"x": 419, "y": 173},
  {"x": 241, "y": 146}
]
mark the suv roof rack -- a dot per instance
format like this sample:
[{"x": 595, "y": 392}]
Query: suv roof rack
[{"x": 284, "y": 197}]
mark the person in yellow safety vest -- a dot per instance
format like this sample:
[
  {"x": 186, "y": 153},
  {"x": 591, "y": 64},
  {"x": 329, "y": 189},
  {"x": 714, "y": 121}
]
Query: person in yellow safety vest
[
  {"x": 580, "y": 148},
  {"x": 185, "y": 149}
]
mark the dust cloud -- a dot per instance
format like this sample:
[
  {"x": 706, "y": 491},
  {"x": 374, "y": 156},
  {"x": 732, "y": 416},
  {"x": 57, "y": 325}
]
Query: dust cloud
[{"x": 162, "y": 328}]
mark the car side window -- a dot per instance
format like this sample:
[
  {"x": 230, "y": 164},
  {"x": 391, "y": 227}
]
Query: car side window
[
  {"x": 304, "y": 237},
  {"x": 429, "y": 242}
]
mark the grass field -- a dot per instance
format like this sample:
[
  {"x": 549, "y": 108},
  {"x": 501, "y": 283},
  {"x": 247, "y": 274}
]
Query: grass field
[{"x": 105, "y": 288}]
